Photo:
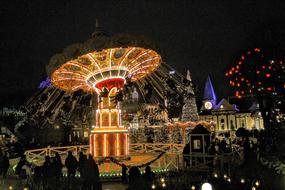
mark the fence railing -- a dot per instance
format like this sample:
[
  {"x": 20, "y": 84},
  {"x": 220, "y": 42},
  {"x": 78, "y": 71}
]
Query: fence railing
[{"x": 172, "y": 159}]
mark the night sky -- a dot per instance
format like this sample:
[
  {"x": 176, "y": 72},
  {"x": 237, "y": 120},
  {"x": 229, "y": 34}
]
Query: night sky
[{"x": 203, "y": 36}]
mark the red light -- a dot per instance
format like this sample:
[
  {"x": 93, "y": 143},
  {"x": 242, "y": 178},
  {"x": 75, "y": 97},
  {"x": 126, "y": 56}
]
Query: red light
[
  {"x": 239, "y": 62},
  {"x": 267, "y": 75},
  {"x": 238, "y": 84},
  {"x": 256, "y": 49},
  {"x": 257, "y": 72},
  {"x": 259, "y": 83},
  {"x": 269, "y": 67},
  {"x": 248, "y": 84},
  {"x": 227, "y": 74},
  {"x": 237, "y": 93},
  {"x": 233, "y": 69},
  {"x": 242, "y": 57},
  {"x": 269, "y": 89},
  {"x": 242, "y": 92},
  {"x": 242, "y": 79},
  {"x": 250, "y": 91},
  {"x": 231, "y": 72},
  {"x": 263, "y": 67},
  {"x": 248, "y": 52}
]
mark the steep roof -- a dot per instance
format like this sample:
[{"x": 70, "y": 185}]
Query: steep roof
[
  {"x": 199, "y": 129},
  {"x": 209, "y": 93},
  {"x": 224, "y": 105},
  {"x": 254, "y": 107}
]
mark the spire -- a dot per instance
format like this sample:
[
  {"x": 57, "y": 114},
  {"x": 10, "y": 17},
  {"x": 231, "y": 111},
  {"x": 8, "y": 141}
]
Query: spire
[
  {"x": 97, "y": 25},
  {"x": 188, "y": 76},
  {"x": 98, "y": 30},
  {"x": 209, "y": 93}
]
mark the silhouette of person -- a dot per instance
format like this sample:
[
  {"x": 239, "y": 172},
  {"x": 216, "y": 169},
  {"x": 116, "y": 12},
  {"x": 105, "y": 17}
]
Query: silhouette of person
[
  {"x": 38, "y": 177},
  {"x": 124, "y": 173},
  {"x": 47, "y": 172},
  {"x": 1, "y": 162},
  {"x": 71, "y": 165},
  {"x": 95, "y": 172},
  {"x": 5, "y": 165},
  {"x": 148, "y": 176},
  {"x": 135, "y": 181},
  {"x": 82, "y": 167},
  {"x": 58, "y": 166},
  {"x": 23, "y": 161},
  {"x": 186, "y": 152},
  {"x": 246, "y": 149}
]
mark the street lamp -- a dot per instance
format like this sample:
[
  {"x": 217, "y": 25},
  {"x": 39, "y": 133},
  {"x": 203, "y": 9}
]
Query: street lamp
[{"x": 206, "y": 186}]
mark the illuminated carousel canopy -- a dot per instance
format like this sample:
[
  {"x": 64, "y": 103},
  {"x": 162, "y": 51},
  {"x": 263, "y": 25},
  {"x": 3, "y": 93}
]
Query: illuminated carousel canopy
[{"x": 103, "y": 61}]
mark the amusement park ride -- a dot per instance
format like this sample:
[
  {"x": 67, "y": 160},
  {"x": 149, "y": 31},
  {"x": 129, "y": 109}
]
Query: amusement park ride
[{"x": 104, "y": 70}]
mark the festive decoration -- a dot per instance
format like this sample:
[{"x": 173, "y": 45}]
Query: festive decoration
[
  {"x": 112, "y": 159},
  {"x": 256, "y": 72}
]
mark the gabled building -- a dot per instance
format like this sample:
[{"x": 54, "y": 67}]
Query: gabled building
[{"x": 226, "y": 115}]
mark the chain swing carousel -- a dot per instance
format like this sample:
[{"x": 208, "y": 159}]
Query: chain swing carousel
[{"x": 101, "y": 65}]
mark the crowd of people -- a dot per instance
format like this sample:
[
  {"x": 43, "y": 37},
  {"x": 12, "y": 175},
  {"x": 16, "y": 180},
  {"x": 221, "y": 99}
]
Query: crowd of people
[{"x": 49, "y": 175}]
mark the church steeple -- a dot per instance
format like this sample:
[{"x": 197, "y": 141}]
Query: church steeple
[
  {"x": 209, "y": 93},
  {"x": 209, "y": 98}
]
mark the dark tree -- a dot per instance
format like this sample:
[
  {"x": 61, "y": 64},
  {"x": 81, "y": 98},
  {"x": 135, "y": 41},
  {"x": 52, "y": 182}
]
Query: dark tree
[{"x": 261, "y": 75}]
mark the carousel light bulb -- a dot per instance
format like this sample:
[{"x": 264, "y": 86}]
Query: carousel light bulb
[
  {"x": 257, "y": 183},
  {"x": 215, "y": 175},
  {"x": 10, "y": 187},
  {"x": 162, "y": 179},
  {"x": 153, "y": 186},
  {"x": 193, "y": 187},
  {"x": 163, "y": 185},
  {"x": 253, "y": 188},
  {"x": 242, "y": 180},
  {"x": 225, "y": 176},
  {"x": 229, "y": 180}
]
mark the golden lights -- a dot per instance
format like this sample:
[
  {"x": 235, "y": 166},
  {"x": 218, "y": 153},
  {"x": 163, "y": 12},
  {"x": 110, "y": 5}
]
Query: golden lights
[{"x": 87, "y": 70}]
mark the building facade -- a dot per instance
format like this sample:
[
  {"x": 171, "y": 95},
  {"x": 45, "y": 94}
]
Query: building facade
[{"x": 226, "y": 116}]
